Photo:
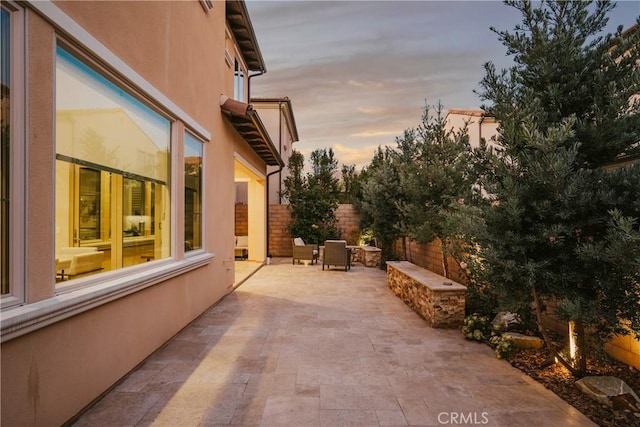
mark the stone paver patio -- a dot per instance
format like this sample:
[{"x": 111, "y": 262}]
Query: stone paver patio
[{"x": 298, "y": 346}]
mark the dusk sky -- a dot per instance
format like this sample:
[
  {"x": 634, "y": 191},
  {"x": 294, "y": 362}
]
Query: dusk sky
[{"x": 358, "y": 73}]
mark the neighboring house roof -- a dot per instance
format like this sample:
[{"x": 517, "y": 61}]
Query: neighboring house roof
[
  {"x": 288, "y": 112},
  {"x": 248, "y": 124},
  {"x": 631, "y": 30},
  {"x": 240, "y": 24},
  {"x": 472, "y": 113}
]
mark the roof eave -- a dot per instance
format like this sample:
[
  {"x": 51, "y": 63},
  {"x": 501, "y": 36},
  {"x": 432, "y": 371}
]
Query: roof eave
[
  {"x": 289, "y": 112},
  {"x": 238, "y": 20},
  {"x": 248, "y": 124}
]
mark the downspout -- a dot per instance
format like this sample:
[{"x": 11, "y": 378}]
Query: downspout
[
  {"x": 480, "y": 126},
  {"x": 280, "y": 150},
  {"x": 259, "y": 73}
]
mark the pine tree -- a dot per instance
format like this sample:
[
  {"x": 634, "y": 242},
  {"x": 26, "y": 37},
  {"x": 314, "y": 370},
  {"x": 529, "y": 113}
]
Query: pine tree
[{"x": 560, "y": 226}]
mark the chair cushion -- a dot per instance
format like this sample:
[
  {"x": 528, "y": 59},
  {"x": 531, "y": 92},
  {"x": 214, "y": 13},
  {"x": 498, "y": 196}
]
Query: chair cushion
[{"x": 298, "y": 241}]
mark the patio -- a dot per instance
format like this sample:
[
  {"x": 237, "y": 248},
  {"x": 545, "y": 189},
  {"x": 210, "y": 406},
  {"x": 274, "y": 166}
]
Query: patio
[{"x": 297, "y": 346}]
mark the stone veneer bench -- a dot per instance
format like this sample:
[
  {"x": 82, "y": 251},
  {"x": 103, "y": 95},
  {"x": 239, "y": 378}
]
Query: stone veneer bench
[
  {"x": 369, "y": 256},
  {"x": 440, "y": 301}
]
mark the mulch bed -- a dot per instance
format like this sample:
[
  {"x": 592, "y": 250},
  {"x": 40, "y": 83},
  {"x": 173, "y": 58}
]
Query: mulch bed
[{"x": 558, "y": 379}]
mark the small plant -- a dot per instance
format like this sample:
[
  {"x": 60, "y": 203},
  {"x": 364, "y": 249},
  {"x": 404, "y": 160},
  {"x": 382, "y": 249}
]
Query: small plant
[
  {"x": 353, "y": 235},
  {"x": 502, "y": 346},
  {"x": 476, "y": 327}
]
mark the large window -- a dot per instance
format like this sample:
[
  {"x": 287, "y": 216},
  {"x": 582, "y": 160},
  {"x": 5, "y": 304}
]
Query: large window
[
  {"x": 112, "y": 174},
  {"x": 11, "y": 152},
  {"x": 238, "y": 82},
  {"x": 192, "y": 193},
  {"x": 5, "y": 77}
]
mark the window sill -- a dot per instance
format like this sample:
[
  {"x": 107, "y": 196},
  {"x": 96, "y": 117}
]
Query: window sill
[{"x": 27, "y": 318}]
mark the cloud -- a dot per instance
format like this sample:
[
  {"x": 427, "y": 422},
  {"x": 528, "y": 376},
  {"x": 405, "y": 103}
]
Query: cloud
[
  {"x": 367, "y": 84},
  {"x": 373, "y": 110},
  {"x": 356, "y": 70},
  {"x": 359, "y": 157},
  {"x": 370, "y": 133}
]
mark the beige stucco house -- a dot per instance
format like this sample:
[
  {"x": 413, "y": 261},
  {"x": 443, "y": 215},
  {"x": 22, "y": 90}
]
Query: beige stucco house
[
  {"x": 480, "y": 125},
  {"x": 277, "y": 115},
  {"x": 124, "y": 127}
]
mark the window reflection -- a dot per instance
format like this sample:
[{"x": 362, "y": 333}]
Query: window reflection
[
  {"x": 112, "y": 175},
  {"x": 192, "y": 193},
  {"x": 5, "y": 79}
]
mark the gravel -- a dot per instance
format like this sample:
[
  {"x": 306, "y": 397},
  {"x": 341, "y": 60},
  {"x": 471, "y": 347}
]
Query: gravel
[{"x": 558, "y": 379}]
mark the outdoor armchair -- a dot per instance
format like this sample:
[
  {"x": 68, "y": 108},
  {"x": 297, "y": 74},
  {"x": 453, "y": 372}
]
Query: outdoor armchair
[
  {"x": 242, "y": 247},
  {"x": 337, "y": 254},
  {"x": 302, "y": 251}
]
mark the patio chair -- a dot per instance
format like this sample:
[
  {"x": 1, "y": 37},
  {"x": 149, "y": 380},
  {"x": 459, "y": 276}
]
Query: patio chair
[
  {"x": 337, "y": 254},
  {"x": 302, "y": 251}
]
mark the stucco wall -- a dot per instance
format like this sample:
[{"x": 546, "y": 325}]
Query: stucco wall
[
  {"x": 625, "y": 348},
  {"x": 51, "y": 374},
  {"x": 54, "y": 368}
]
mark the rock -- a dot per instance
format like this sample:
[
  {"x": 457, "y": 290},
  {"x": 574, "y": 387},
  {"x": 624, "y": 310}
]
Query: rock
[
  {"x": 610, "y": 391},
  {"x": 524, "y": 341},
  {"x": 505, "y": 320}
]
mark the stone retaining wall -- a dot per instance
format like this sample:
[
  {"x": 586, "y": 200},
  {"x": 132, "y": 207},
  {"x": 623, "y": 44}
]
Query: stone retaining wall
[
  {"x": 440, "y": 301},
  {"x": 369, "y": 256}
]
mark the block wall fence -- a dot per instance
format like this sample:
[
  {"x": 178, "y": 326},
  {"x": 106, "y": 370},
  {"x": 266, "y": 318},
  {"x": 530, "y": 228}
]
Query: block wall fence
[
  {"x": 430, "y": 257},
  {"x": 242, "y": 219},
  {"x": 279, "y": 219}
]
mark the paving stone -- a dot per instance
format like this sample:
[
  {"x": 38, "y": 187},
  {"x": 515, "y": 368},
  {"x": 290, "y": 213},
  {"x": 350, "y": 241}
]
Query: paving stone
[{"x": 296, "y": 346}]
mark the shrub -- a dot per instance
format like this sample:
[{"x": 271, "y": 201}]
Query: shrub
[
  {"x": 502, "y": 346},
  {"x": 476, "y": 327}
]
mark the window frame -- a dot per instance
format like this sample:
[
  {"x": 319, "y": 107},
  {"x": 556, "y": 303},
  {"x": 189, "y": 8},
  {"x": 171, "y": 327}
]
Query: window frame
[
  {"x": 239, "y": 69},
  {"x": 202, "y": 196},
  {"x": 17, "y": 158},
  {"x": 26, "y": 317},
  {"x": 88, "y": 60}
]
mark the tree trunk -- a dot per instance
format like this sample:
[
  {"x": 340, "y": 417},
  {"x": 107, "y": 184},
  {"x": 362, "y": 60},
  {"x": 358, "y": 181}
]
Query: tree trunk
[
  {"x": 545, "y": 336},
  {"x": 445, "y": 265},
  {"x": 577, "y": 346},
  {"x": 404, "y": 248}
]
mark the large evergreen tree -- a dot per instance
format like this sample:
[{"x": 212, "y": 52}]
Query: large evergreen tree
[
  {"x": 381, "y": 201},
  {"x": 561, "y": 227},
  {"x": 434, "y": 174},
  {"x": 313, "y": 198},
  {"x": 351, "y": 185},
  {"x": 407, "y": 189}
]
